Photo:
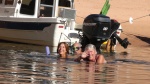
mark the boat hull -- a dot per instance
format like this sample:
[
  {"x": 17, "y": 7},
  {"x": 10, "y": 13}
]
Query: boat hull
[{"x": 41, "y": 33}]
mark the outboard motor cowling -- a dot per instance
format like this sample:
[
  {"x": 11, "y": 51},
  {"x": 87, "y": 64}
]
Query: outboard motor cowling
[{"x": 98, "y": 29}]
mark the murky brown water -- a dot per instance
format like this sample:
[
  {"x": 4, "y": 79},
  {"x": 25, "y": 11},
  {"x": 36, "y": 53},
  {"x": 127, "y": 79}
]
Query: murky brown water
[{"x": 25, "y": 64}]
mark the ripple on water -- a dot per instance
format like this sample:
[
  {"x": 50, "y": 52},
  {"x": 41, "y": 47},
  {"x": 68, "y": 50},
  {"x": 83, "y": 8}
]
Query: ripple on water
[{"x": 125, "y": 66}]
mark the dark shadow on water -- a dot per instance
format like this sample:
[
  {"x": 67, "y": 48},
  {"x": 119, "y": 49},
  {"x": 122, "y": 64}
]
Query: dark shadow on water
[
  {"x": 113, "y": 58},
  {"x": 133, "y": 61},
  {"x": 18, "y": 46},
  {"x": 145, "y": 39},
  {"x": 4, "y": 41}
]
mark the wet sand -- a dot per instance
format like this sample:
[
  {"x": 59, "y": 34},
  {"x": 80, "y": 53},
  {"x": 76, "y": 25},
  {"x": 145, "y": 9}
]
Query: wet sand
[{"x": 121, "y": 10}]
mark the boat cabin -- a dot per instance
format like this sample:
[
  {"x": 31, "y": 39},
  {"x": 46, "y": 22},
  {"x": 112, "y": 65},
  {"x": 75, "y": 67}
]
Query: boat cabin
[
  {"x": 44, "y": 22},
  {"x": 37, "y": 8}
]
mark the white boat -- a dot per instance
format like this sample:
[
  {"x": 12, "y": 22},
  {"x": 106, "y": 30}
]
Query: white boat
[{"x": 43, "y": 22}]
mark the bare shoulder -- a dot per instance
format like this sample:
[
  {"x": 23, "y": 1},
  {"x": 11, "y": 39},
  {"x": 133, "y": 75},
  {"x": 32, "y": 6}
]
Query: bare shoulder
[
  {"x": 101, "y": 59},
  {"x": 100, "y": 56}
]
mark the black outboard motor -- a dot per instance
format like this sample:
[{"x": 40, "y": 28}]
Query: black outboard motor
[{"x": 98, "y": 29}]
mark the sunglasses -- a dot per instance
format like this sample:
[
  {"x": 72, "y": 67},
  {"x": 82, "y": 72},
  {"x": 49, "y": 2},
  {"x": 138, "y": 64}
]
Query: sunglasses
[{"x": 76, "y": 48}]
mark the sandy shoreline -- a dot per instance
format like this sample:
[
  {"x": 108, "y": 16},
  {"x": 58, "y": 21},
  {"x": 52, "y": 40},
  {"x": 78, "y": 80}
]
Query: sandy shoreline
[{"x": 121, "y": 10}]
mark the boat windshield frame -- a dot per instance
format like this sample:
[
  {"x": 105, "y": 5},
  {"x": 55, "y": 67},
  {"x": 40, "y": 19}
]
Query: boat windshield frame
[{"x": 7, "y": 2}]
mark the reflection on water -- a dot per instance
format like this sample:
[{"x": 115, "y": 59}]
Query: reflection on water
[{"x": 29, "y": 64}]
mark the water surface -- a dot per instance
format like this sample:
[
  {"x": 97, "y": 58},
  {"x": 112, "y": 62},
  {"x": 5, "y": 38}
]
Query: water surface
[{"x": 24, "y": 63}]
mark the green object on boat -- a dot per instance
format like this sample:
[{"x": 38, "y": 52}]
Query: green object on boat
[{"x": 105, "y": 8}]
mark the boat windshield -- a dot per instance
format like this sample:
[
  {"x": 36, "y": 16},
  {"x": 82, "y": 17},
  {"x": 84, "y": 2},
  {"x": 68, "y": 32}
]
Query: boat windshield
[
  {"x": 65, "y": 3},
  {"x": 0, "y": 1},
  {"x": 7, "y": 2},
  {"x": 27, "y": 7},
  {"x": 47, "y": 8}
]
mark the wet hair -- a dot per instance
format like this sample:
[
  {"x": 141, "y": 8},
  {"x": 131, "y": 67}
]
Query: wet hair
[
  {"x": 66, "y": 46},
  {"x": 90, "y": 46}
]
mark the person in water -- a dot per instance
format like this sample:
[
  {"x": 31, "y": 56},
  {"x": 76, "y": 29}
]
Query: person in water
[
  {"x": 76, "y": 47},
  {"x": 90, "y": 54},
  {"x": 63, "y": 50}
]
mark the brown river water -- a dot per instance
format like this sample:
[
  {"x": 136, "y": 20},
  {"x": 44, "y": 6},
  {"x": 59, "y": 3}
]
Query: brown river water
[{"x": 28, "y": 64}]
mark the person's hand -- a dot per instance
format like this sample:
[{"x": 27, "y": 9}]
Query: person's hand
[{"x": 84, "y": 55}]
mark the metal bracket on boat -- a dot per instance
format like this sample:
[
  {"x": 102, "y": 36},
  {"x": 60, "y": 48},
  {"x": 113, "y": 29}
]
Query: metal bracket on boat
[
  {"x": 63, "y": 20},
  {"x": 19, "y": 1},
  {"x": 65, "y": 36}
]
